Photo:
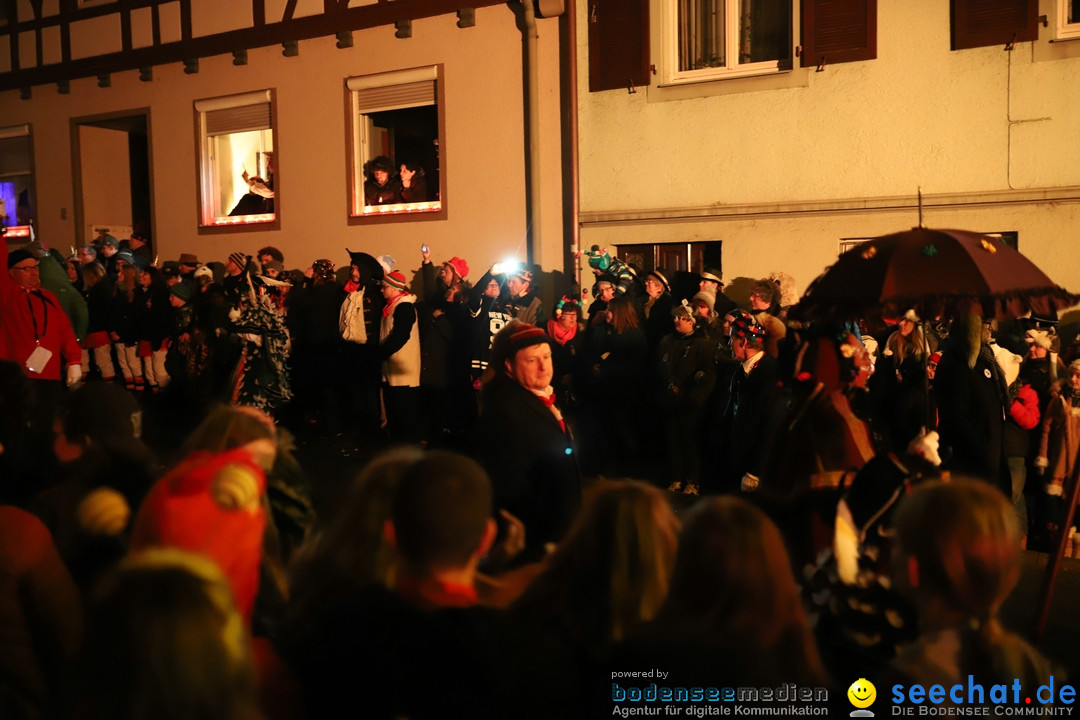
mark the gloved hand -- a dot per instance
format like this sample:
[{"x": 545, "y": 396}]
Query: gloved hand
[
  {"x": 1041, "y": 463},
  {"x": 74, "y": 375}
]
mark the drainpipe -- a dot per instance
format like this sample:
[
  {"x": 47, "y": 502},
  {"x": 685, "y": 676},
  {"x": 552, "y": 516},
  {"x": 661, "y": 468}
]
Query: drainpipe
[
  {"x": 532, "y": 130},
  {"x": 571, "y": 181}
]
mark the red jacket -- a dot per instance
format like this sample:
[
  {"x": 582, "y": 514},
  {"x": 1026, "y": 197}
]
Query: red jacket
[{"x": 32, "y": 317}]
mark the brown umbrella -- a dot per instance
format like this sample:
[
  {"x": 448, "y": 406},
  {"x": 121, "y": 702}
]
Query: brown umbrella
[{"x": 932, "y": 271}]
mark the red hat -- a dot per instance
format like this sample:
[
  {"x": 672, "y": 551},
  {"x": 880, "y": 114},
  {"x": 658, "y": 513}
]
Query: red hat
[
  {"x": 459, "y": 266},
  {"x": 197, "y": 508},
  {"x": 396, "y": 280}
]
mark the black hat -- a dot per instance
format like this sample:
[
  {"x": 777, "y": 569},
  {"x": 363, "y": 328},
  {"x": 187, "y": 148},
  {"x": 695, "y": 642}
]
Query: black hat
[
  {"x": 658, "y": 273},
  {"x": 17, "y": 256}
]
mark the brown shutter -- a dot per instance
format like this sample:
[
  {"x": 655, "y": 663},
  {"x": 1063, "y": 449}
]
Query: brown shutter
[
  {"x": 836, "y": 31},
  {"x": 977, "y": 23},
  {"x": 618, "y": 44}
]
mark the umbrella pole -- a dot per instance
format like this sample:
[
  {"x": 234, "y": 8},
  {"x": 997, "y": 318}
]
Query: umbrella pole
[{"x": 1057, "y": 552}]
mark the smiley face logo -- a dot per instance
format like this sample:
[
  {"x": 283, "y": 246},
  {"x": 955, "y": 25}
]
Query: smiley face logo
[{"x": 862, "y": 693}]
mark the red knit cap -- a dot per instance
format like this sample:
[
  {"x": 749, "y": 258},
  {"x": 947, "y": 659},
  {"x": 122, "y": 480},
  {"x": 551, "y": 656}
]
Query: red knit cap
[{"x": 396, "y": 280}]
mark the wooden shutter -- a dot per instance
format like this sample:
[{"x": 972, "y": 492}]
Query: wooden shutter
[
  {"x": 618, "y": 44},
  {"x": 836, "y": 31},
  {"x": 977, "y": 23}
]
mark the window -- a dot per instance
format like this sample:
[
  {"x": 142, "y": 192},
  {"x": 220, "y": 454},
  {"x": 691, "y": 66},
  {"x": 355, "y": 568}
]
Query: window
[
  {"x": 16, "y": 181},
  {"x": 978, "y": 23},
  {"x": 715, "y": 39},
  {"x": 396, "y": 125},
  {"x": 236, "y": 160},
  {"x": 1068, "y": 20}
]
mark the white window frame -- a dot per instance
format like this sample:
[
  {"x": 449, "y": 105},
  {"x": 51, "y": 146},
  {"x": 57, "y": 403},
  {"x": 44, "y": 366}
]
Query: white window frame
[
  {"x": 669, "y": 44},
  {"x": 360, "y": 145},
  {"x": 1063, "y": 29},
  {"x": 208, "y": 178}
]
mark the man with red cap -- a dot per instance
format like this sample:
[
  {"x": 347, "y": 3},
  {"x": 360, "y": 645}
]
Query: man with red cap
[
  {"x": 399, "y": 348},
  {"x": 527, "y": 447}
]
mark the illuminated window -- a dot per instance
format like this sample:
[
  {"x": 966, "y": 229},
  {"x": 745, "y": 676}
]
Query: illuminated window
[
  {"x": 16, "y": 181},
  {"x": 395, "y": 129},
  {"x": 236, "y": 160}
]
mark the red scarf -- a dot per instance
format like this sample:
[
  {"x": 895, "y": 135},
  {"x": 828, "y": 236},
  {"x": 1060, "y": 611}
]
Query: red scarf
[
  {"x": 388, "y": 308},
  {"x": 560, "y": 333},
  {"x": 548, "y": 398}
]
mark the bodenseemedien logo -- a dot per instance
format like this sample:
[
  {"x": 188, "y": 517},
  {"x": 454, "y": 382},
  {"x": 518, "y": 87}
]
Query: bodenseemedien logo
[{"x": 862, "y": 694}]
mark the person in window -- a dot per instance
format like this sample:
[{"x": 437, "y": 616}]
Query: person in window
[
  {"x": 413, "y": 183},
  {"x": 382, "y": 187},
  {"x": 259, "y": 199}
]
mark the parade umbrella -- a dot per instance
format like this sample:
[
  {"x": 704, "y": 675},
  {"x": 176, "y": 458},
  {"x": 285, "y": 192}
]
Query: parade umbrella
[
  {"x": 370, "y": 268},
  {"x": 935, "y": 272}
]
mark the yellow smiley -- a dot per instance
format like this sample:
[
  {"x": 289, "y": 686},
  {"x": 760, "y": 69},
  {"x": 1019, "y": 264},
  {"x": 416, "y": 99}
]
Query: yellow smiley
[{"x": 862, "y": 693}]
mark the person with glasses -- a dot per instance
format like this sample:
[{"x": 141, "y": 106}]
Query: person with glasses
[{"x": 34, "y": 331}]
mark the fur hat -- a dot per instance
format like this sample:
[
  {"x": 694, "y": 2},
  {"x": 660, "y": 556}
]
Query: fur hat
[
  {"x": 1042, "y": 338},
  {"x": 203, "y": 271},
  {"x": 459, "y": 267},
  {"x": 911, "y": 315},
  {"x": 239, "y": 259},
  {"x": 1008, "y": 362},
  {"x": 397, "y": 281}
]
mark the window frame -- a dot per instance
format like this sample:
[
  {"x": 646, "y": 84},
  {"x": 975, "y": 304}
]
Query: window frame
[
  {"x": 8, "y": 133},
  {"x": 208, "y": 222},
  {"x": 356, "y": 160},
  {"x": 1063, "y": 29},
  {"x": 671, "y": 76}
]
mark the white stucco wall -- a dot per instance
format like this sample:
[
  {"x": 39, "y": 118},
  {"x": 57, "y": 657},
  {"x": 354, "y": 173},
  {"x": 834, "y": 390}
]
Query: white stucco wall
[
  {"x": 483, "y": 148},
  {"x": 781, "y": 175}
]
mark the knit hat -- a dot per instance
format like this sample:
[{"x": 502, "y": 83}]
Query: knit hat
[
  {"x": 203, "y": 271},
  {"x": 524, "y": 335},
  {"x": 397, "y": 281},
  {"x": 599, "y": 258},
  {"x": 707, "y": 298},
  {"x": 274, "y": 265},
  {"x": 747, "y": 328},
  {"x": 182, "y": 290},
  {"x": 459, "y": 267},
  {"x": 17, "y": 256},
  {"x": 125, "y": 256},
  {"x": 239, "y": 259},
  {"x": 188, "y": 259},
  {"x": 110, "y": 241},
  {"x": 140, "y": 262},
  {"x": 658, "y": 273},
  {"x": 935, "y": 357}
]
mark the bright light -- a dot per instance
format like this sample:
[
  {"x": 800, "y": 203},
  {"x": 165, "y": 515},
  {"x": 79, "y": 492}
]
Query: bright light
[
  {"x": 244, "y": 219},
  {"x": 17, "y": 231},
  {"x": 401, "y": 208}
]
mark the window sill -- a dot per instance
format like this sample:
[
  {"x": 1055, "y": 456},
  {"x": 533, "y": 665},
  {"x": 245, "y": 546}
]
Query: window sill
[
  {"x": 797, "y": 77},
  {"x": 1058, "y": 49},
  {"x": 241, "y": 223},
  {"x": 432, "y": 210},
  {"x": 16, "y": 231}
]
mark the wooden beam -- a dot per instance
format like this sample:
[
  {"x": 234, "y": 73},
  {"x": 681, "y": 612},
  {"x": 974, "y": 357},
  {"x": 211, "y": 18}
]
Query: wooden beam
[{"x": 305, "y": 28}]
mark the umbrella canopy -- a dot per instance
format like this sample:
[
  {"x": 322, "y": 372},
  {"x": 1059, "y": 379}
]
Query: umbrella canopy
[{"x": 934, "y": 272}]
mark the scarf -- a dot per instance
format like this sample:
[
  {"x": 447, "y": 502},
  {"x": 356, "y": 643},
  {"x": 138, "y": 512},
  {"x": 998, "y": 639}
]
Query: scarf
[
  {"x": 547, "y": 396},
  {"x": 388, "y": 308},
  {"x": 559, "y": 332}
]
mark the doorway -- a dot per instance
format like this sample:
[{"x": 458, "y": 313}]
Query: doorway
[
  {"x": 111, "y": 170},
  {"x": 682, "y": 261}
]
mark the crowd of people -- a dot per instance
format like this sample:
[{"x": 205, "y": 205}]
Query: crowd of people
[{"x": 810, "y": 503}]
